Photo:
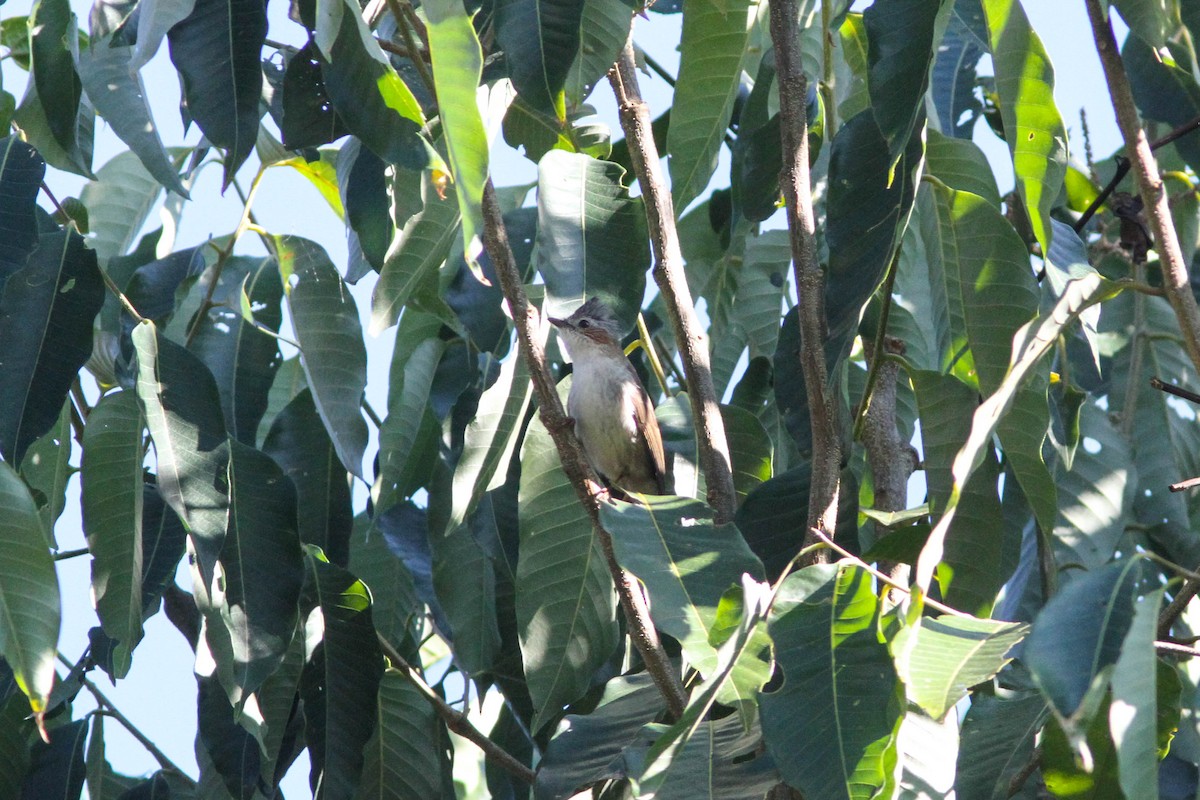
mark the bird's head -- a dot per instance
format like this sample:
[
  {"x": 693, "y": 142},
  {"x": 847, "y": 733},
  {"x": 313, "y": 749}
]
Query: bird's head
[{"x": 592, "y": 325}]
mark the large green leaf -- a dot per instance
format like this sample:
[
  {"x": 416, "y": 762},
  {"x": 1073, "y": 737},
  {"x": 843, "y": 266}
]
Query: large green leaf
[
  {"x": 540, "y": 39},
  {"x": 998, "y": 737},
  {"x": 46, "y": 315},
  {"x": 331, "y": 343},
  {"x": 586, "y": 749},
  {"x": 399, "y": 613},
  {"x": 832, "y": 726},
  {"x": 242, "y": 358},
  {"x": 401, "y": 467},
  {"x": 21, "y": 173},
  {"x": 413, "y": 257},
  {"x": 183, "y": 412},
  {"x": 1077, "y": 638},
  {"x": 340, "y": 684},
  {"x": 603, "y": 28},
  {"x": 712, "y": 48},
  {"x": 29, "y": 599},
  {"x": 223, "y": 102},
  {"x": 117, "y": 92},
  {"x": 718, "y": 762},
  {"x": 591, "y": 235},
  {"x": 1030, "y": 345},
  {"x": 252, "y": 615},
  {"x": 490, "y": 439},
  {"x": 961, "y": 165},
  {"x": 900, "y": 36},
  {"x": 1152, "y": 20},
  {"x": 1032, "y": 125},
  {"x": 53, "y": 43},
  {"x": 927, "y": 754},
  {"x": 457, "y": 66},
  {"x": 406, "y": 757},
  {"x": 298, "y": 442},
  {"x": 566, "y": 608},
  {"x": 1133, "y": 715},
  {"x": 118, "y": 203},
  {"x": 111, "y": 475},
  {"x": 942, "y": 658},
  {"x": 686, "y": 564},
  {"x": 971, "y": 570},
  {"x": 46, "y": 469}
]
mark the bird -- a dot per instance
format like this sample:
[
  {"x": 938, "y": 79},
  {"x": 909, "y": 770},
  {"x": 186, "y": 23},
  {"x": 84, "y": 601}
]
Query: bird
[{"x": 612, "y": 413}]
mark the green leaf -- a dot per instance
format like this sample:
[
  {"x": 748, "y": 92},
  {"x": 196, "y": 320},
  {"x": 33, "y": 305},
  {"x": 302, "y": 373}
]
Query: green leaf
[
  {"x": 413, "y": 257},
  {"x": 53, "y": 45},
  {"x": 406, "y": 757},
  {"x": 900, "y": 37},
  {"x": 252, "y": 613},
  {"x": 1032, "y": 125},
  {"x": 117, "y": 92},
  {"x": 603, "y": 28},
  {"x": 401, "y": 467},
  {"x": 997, "y": 740},
  {"x": 490, "y": 439},
  {"x": 712, "y": 48},
  {"x": 1077, "y": 638},
  {"x": 718, "y": 762},
  {"x": 398, "y": 612},
  {"x": 927, "y": 752},
  {"x": 457, "y": 67},
  {"x": 46, "y": 469},
  {"x": 299, "y": 444},
  {"x": 566, "y": 608},
  {"x": 29, "y": 599},
  {"x": 309, "y": 118},
  {"x": 31, "y": 119},
  {"x": 1133, "y": 715},
  {"x": 1152, "y": 20},
  {"x": 223, "y": 102},
  {"x": 21, "y": 173},
  {"x": 686, "y": 564},
  {"x": 943, "y": 657},
  {"x": 1030, "y": 344},
  {"x": 118, "y": 202},
  {"x": 540, "y": 39},
  {"x": 183, "y": 412},
  {"x": 961, "y": 165},
  {"x": 761, "y": 284},
  {"x": 322, "y": 174},
  {"x": 953, "y": 79},
  {"x": 331, "y": 343},
  {"x": 587, "y": 746},
  {"x": 46, "y": 315},
  {"x": 840, "y": 693},
  {"x": 111, "y": 475},
  {"x": 591, "y": 236},
  {"x": 341, "y": 679},
  {"x": 154, "y": 19},
  {"x": 1083, "y": 763}
]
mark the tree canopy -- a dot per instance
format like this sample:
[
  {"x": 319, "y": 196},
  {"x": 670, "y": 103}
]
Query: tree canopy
[{"x": 933, "y": 443}]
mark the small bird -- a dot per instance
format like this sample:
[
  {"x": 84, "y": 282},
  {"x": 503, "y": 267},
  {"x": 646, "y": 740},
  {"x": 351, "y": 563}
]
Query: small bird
[{"x": 612, "y": 412}]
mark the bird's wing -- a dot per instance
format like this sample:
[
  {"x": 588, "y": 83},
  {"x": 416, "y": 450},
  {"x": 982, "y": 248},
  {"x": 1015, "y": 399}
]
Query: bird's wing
[{"x": 643, "y": 413}]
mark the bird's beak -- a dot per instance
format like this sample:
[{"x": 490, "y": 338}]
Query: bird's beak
[{"x": 556, "y": 322}]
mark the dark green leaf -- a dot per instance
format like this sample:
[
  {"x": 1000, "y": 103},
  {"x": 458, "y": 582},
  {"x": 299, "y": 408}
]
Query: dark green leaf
[
  {"x": 900, "y": 52},
  {"x": 309, "y": 118},
  {"x": 53, "y": 43},
  {"x": 21, "y": 173},
  {"x": 111, "y": 475},
  {"x": 362, "y": 186},
  {"x": 58, "y": 768},
  {"x": 399, "y": 612},
  {"x": 840, "y": 695},
  {"x": 331, "y": 343},
  {"x": 1134, "y": 715},
  {"x": 540, "y": 39},
  {"x": 952, "y": 81},
  {"x": 29, "y": 599},
  {"x": 46, "y": 315},
  {"x": 603, "y": 28},
  {"x": 230, "y": 748},
  {"x": 997, "y": 741},
  {"x": 46, "y": 469},
  {"x": 591, "y": 236},
  {"x": 224, "y": 102},
  {"x": 406, "y": 757}
]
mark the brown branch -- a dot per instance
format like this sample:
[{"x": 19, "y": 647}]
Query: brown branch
[
  {"x": 810, "y": 279},
  {"x": 1176, "y": 281},
  {"x": 712, "y": 447},
  {"x": 457, "y": 721},
  {"x": 530, "y": 340}
]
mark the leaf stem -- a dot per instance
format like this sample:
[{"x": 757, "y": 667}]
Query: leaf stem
[
  {"x": 712, "y": 446},
  {"x": 456, "y": 720},
  {"x": 652, "y": 354},
  {"x": 63, "y": 555}
]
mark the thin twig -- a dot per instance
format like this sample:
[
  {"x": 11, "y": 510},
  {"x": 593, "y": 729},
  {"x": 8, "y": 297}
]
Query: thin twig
[
  {"x": 1178, "y": 391},
  {"x": 108, "y": 709},
  {"x": 711, "y": 444},
  {"x": 530, "y": 339},
  {"x": 63, "y": 555},
  {"x": 1017, "y": 782},
  {"x": 372, "y": 414},
  {"x": 809, "y": 277},
  {"x": 1176, "y": 281},
  {"x": 1173, "y": 649},
  {"x": 406, "y": 26},
  {"x": 820, "y": 535},
  {"x": 456, "y": 720}
]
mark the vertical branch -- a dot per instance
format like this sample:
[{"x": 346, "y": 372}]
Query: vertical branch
[
  {"x": 810, "y": 280},
  {"x": 529, "y": 339},
  {"x": 1176, "y": 281},
  {"x": 668, "y": 273}
]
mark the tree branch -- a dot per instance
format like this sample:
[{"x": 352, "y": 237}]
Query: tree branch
[
  {"x": 810, "y": 279},
  {"x": 712, "y": 447},
  {"x": 530, "y": 337},
  {"x": 456, "y": 720}
]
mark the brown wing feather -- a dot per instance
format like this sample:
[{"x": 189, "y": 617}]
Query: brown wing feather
[{"x": 643, "y": 412}]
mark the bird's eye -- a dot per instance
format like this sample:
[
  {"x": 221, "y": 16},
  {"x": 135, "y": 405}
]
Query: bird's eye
[{"x": 583, "y": 323}]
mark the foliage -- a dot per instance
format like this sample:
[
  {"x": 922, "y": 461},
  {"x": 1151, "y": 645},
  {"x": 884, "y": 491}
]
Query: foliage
[{"x": 351, "y": 593}]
